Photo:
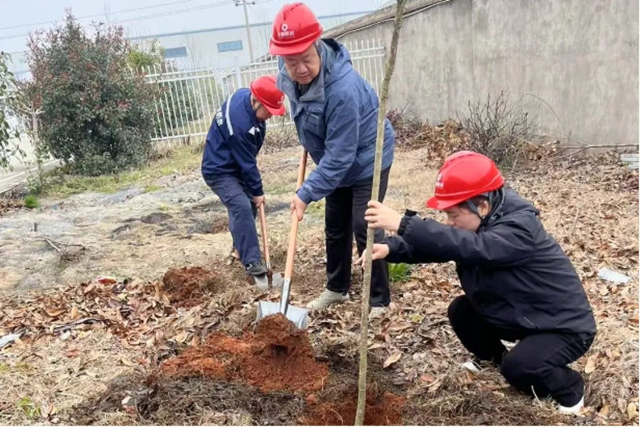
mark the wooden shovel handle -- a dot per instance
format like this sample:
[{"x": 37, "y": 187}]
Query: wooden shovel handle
[
  {"x": 293, "y": 234},
  {"x": 265, "y": 240}
]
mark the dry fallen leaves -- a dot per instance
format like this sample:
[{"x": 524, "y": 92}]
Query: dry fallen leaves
[
  {"x": 72, "y": 353},
  {"x": 591, "y": 364},
  {"x": 632, "y": 411},
  {"x": 427, "y": 378},
  {"x": 392, "y": 359},
  {"x": 181, "y": 337},
  {"x": 55, "y": 312}
]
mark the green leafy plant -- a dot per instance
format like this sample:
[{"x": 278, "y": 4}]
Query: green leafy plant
[
  {"x": 399, "y": 273},
  {"x": 96, "y": 115}
]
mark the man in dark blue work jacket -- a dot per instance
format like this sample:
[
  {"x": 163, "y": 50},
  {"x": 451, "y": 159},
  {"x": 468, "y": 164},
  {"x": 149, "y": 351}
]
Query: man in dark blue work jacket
[
  {"x": 335, "y": 111},
  {"x": 229, "y": 165}
]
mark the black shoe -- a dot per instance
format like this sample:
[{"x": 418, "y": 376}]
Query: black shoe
[{"x": 255, "y": 269}]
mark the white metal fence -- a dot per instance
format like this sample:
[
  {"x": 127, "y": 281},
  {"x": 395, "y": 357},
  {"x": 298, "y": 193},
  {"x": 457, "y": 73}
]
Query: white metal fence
[{"x": 188, "y": 99}]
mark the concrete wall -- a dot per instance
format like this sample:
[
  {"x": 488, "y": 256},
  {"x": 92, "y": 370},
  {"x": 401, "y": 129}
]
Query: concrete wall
[{"x": 574, "y": 62}]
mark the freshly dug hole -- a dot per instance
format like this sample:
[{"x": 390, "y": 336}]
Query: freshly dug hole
[
  {"x": 277, "y": 356},
  {"x": 382, "y": 409},
  {"x": 187, "y": 286}
]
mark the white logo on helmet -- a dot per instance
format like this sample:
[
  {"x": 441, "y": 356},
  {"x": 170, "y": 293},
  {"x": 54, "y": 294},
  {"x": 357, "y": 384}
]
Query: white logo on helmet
[
  {"x": 284, "y": 32},
  {"x": 439, "y": 183}
]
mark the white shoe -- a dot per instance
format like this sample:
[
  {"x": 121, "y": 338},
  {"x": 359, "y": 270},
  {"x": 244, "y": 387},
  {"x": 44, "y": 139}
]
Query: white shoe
[
  {"x": 378, "y": 312},
  {"x": 572, "y": 410},
  {"x": 327, "y": 298},
  {"x": 509, "y": 344},
  {"x": 471, "y": 366}
]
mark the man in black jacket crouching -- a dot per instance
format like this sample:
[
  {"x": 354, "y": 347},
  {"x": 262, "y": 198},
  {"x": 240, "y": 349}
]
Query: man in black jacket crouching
[{"x": 519, "y": 285}]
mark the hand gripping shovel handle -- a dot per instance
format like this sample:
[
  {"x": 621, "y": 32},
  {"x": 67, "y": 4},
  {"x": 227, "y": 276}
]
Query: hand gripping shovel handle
[
  {"x": 293, "y": 234},
  {"x": 265, "y": 240}
]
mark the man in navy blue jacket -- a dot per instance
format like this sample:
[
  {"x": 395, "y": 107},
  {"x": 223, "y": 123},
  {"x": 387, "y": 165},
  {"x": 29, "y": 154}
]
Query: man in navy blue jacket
[
  {"x": 229, "y": 165},
  {"x": 335, "y": 112},
  {"x": 518, "y": 283}
]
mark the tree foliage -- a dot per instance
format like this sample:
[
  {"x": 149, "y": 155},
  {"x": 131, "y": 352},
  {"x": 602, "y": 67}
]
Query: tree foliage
[
  {"x": 97, "y": 115},
  {"x": 7, "y": 133}
]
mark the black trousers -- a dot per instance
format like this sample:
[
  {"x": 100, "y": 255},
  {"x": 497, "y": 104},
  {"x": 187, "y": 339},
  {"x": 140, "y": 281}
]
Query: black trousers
[
  {"x": 538, "y": 363},
  {"x": 344, "y": 218}
]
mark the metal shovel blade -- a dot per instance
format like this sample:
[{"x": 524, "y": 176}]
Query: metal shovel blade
[
  {"x": 299, "y": 316},
  {"x": 277, "y": 280},
  {"x": 262, "y": 282}
]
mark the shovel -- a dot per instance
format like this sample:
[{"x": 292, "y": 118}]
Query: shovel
[
  {"x": 299, "y": 316},
  {"x": 274, "y": 280}
]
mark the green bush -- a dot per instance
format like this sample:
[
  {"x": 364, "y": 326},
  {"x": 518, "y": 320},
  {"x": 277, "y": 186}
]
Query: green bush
[
  {"x": 31, "y": 201},
  {"x": 97, "y": 116}
]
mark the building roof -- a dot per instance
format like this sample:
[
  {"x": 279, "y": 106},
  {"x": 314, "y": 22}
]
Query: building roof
[
  {"x": 380, "y": 16},
  {"x": 235, "y": 27}
]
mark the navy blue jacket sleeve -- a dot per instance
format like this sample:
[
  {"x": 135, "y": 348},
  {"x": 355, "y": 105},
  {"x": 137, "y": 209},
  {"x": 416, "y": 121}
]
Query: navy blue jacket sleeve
[
  {"x": 401, "y": 251},
  {"x": 341, "y": 144},
  {"x": 506, "y": 244},
  {"x": 244, "y": 150}
]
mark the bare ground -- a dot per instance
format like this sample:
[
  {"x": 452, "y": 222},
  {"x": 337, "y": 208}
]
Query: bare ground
[{"x": 91, "y": 352}]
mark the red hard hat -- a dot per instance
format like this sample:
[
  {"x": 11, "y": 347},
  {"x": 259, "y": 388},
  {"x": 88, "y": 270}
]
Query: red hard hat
[
  {"x": 265, "y": 90},
  {"x": 464, "y": 175},
  {"x": 295, "y": 28}
]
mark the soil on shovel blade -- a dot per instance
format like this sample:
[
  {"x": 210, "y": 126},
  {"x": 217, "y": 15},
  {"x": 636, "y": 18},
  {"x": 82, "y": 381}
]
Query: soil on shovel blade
[
  {"x": 187, "y": 286},
  {"x": 277, "y": 356}
]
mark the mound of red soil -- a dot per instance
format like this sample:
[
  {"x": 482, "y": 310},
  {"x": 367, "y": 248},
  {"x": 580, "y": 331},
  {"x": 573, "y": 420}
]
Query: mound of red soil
[
  {"x": 277, "y": 356},
  {"x": 383, "y": 409},
  {"x": 187, "y": 286}
]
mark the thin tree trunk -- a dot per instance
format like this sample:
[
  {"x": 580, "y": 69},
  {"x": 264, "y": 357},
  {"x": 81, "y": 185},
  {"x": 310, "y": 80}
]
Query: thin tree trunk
[{"x": 375, "y": 192}]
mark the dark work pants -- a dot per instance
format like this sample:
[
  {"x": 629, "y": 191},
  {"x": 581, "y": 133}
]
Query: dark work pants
[
  {"x": 344, "y": 218},
  {"x": 242, "y": 213},
  {"x": 537, "y": 363}
]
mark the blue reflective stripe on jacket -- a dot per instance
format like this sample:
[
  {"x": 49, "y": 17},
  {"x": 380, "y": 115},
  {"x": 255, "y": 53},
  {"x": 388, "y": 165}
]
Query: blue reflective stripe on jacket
[
  {"x": 338, "y": 127},
  {"x": 233, "y": 142}
]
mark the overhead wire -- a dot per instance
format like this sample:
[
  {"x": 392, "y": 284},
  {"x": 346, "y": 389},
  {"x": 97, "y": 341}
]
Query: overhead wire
[{"x": 145, "y": 17}]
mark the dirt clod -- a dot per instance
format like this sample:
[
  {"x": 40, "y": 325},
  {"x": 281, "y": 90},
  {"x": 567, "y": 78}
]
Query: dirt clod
[
  {"x": 277, "y": 356},
  {"x": 187, "y": 286}
]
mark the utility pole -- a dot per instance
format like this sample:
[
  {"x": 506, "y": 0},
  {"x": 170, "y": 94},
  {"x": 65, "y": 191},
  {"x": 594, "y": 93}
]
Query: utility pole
[{"x": 246, "y": 23}]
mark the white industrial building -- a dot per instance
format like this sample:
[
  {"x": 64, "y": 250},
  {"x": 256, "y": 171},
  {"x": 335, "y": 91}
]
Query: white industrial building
[
  {"x": 221, "y": 47},
  {"x": 225, "y": 46}
]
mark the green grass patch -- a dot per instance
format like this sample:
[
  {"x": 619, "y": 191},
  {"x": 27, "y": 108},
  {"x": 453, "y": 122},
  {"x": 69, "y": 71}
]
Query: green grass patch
[
  {"x": 23, "y": 367},
  {"x": 151, "y": 188},
  {"x": 277, "y": 189},
  {"x": 28, "y": 407},
  {"x": 180, "y": 160},
  {"x": 399, "y": 273},
  {"x": 31, "y": 201},
  {"x": 316, "y": 209}
]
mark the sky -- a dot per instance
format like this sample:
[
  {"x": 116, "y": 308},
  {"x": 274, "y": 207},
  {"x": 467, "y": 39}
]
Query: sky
[{"x": 149, "y": 17}]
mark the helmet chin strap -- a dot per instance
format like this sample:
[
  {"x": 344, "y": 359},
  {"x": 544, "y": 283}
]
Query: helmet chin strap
[
  {"x": 473, "y": 208},
  {"x": 493, "y": 197}
]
